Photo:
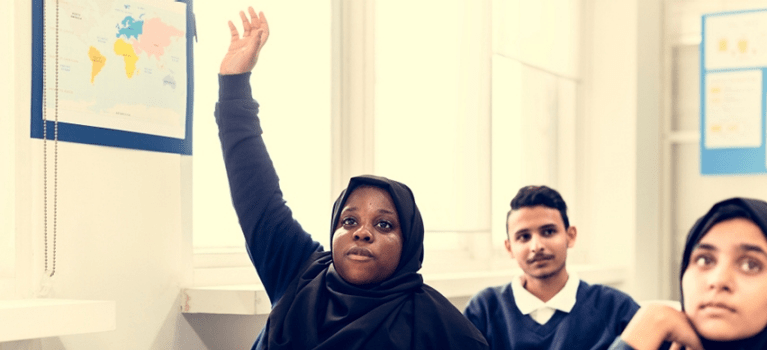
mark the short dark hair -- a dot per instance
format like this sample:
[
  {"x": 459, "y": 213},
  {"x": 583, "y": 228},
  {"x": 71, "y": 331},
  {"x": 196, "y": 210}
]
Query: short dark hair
[{"x": 531, "y": 196}]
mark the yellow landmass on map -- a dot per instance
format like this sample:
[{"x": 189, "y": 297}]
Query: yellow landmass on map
[
  {"x": 743, "y": 46},
  {"x": 129, "y": 56},
  {"x": 98, "y": 60}
]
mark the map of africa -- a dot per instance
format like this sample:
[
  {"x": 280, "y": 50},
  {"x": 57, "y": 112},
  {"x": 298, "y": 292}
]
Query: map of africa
[{"x": 121, "y": 64}]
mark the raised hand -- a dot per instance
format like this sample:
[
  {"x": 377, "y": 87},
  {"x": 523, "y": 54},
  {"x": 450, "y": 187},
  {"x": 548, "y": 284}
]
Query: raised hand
[{"x": 243, "y": 51}]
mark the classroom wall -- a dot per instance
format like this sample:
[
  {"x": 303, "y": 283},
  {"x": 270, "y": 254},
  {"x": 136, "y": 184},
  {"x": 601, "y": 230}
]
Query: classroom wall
[
  {"x": 7, "y": 158},
  {"x": 122, "y": 224},
  {"x": 123, "y": 229},
  {"x": 692, "y": 194},
  {"x": 619, "y": 159}
]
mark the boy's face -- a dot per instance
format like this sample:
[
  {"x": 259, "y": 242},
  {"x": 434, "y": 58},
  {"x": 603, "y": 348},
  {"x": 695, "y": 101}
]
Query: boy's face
[
  {"x": 538, "y": 240},
  {"x": 725, "y": 284}
]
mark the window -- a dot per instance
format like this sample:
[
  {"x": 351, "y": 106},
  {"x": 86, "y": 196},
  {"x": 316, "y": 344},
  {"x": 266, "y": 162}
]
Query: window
[
  {"x": 534, "y": 118},
  {"x": 410, "y": 104},
  {"x": 291, "y": 82},
  {"x": 535, "y": 84},
  {"x": 432, "y": 120}
]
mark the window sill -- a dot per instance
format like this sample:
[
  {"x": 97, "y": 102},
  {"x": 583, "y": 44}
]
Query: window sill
[
  {"x": 240, "y": 299},
  {"x": 251, "y": 299},
  {"x": 40, "y": 318}
]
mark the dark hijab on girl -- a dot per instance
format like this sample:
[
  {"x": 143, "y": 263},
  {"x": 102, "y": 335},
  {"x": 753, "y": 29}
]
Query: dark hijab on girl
[
  {"x": 723, "y": 279},
  {"x": 738, "y": 300},
  {"x": 321, "y": 310}
]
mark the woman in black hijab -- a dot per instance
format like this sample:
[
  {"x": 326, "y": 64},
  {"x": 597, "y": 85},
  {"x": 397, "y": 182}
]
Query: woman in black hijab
[
  {"x": 366, "y": 293},
  {"x": 724, "y": 286}
]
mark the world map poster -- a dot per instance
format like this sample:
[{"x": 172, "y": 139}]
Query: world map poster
[{"x": 117, "y": 65}]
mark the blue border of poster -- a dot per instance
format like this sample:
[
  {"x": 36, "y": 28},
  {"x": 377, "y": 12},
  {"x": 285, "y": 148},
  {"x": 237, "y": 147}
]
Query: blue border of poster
[
  {"x": 723, "y": 161},
  {"x": 103, "y": 136}
]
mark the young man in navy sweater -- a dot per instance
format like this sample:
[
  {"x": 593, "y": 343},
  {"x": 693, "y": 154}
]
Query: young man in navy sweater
[{"x": 546, "y": 307}]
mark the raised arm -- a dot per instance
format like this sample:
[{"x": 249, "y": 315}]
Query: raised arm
[{"x": 277, "y": 244}]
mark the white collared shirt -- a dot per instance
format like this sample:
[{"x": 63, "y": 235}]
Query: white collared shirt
[{"x": 541, "y": 312}]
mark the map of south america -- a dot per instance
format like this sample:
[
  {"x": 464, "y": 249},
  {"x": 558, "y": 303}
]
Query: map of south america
[{"x": 97, "y": 60}]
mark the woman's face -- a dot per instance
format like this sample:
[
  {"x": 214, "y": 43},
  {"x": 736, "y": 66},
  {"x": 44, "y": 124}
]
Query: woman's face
[
  {"x": 725, "y": 285},
  {"x": 367, "y": 242}
]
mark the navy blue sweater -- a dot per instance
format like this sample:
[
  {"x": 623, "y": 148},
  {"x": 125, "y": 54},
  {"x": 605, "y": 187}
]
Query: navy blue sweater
[
  {"x": 276, "y": 243},
  {"x": 600, "y": 314}
]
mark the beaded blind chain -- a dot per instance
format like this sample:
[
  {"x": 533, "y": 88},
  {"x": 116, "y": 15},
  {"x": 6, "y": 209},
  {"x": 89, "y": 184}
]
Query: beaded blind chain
[{"x": 52, "y": 270}]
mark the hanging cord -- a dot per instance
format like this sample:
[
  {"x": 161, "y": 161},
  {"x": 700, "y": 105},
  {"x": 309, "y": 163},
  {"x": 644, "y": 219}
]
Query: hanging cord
[
  {"x": 56, "y": 145},
  {"x": 52, "y": 271},
  {"x": 45, "y": 143}
]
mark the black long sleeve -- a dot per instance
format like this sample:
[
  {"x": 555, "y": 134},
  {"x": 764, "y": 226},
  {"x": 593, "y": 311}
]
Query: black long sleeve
[{"x": 277, "y": 244}]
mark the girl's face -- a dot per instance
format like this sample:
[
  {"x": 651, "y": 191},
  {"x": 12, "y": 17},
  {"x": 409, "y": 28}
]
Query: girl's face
[
  {"x": 367, "y": 242},
  {"x": 725, "y": 285}
]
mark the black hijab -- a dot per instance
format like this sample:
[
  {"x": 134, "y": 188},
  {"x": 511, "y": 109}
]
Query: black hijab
[
  {"x": 320, "y": 310},
  {"x": 752, "y": 209}
]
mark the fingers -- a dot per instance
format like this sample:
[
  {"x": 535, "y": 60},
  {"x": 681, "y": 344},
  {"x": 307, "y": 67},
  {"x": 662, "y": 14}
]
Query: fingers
[
  {"x": 256, "y": 27},
  {"x": 233, "y": 30},
  {"x": 679, "y": 346},
  {"x": 689, "y": 340},
  {"x": 245, "y": 24},
  {"x": 255, "y": 22},
  {"x": 264, "y": 27},
  {"x": 684, "y": 334}
]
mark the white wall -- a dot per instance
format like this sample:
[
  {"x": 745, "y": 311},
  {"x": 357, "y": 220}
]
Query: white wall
[
  {"x": 619, "y": 163},
  {"x": 690, "y": 193},
  {"x": 122, "y": 231},
  {"x": 609, "y": 135},
  {"x": 7, "y": 160}
]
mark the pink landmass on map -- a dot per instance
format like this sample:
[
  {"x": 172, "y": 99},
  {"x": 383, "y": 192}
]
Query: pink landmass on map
[{"x": 155, "y": 38}]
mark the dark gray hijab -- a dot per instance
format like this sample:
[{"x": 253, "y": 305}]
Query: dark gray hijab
[
  {"x": 751, "y": 209},
  {"x": 320, "y": 310}
]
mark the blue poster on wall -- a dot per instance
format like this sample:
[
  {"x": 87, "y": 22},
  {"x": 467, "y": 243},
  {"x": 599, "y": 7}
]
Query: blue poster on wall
[
  {"x": 113, "y": 73},
  {"x": 733, "y": 91}
]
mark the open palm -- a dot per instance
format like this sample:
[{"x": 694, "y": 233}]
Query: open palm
[{"x": 243, "y": 51}]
